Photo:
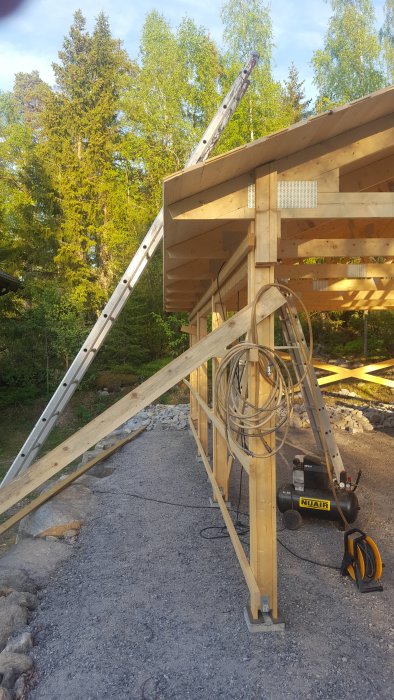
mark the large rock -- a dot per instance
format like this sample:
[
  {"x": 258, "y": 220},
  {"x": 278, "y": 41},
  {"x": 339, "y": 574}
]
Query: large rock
[
  {"x": 36, "y": 558},
  {"x": 22, "y": 598},
  {"x": 19, "y": 662},
  {"x": 5, "y": 694},
  {"x": 12, "y": 618},
  {"x": 66, "y": 511},
  {"x": 15, "y": 579},
  {"x": 13, "y": 665},
  {"x": 20, "y": 644}
]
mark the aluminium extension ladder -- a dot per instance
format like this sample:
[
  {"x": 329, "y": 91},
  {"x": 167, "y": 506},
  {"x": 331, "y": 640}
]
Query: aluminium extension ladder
[
  {"x": 294, "y": 338},
  {"x": 124, "y": 288}
]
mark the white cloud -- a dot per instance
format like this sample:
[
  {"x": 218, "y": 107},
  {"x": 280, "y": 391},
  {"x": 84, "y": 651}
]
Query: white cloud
[{"x": 15, "y": 60}]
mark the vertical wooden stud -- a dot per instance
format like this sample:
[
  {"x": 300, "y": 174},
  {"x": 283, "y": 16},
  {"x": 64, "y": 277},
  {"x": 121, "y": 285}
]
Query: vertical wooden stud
[
  {"x": 202, "y": 380},
  {"x": 220, "y": 453},
  {"x": 262, "y": 478},
  {"x": 193, "y": 377}
]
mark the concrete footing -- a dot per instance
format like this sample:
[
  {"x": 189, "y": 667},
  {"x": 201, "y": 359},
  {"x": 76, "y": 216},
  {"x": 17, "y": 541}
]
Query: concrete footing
[{"x": 264, "y": 623}]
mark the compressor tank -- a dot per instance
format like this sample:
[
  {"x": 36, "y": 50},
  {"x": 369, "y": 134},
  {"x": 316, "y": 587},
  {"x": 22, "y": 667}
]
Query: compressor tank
[{"x": 318, "y": 503}]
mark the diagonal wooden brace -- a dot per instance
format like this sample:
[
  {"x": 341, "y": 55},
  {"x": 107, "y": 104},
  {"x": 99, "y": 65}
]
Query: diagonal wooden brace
[{"x": 72, "y": 448}]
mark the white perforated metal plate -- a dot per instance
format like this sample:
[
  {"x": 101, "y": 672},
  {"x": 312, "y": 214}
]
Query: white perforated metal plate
[
  {"x": 251, "y": 196},
  {"x": 297, "y": 194}
]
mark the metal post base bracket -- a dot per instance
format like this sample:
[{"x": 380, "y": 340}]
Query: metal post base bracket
[
  {"x": 264, "y": 623},
  {"x": 215, "y": 504}
]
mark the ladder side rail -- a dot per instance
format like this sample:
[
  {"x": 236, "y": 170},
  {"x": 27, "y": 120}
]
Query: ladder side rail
[
  {"x": 112, "y": 309},
  {"x": 86, "y": 354},
  {"x": 224, "y": 113},
  {"x": 312, "y": 394},
  {"x": 300, "y": 370}
]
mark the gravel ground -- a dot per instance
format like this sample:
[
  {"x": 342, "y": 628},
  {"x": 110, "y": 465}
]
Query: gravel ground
[{"x": 145, "y": 609}]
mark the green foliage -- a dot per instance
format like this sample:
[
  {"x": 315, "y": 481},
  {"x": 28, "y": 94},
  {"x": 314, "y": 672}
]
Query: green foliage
[
  {"x": 171, "y": 100},
  {"x": 342, "y": 334},
  {"x": 177, "y": 342},
  {"x": 386, "y": 36},
  {"x": 81, "y": 169},
  {"x": 83, "y": 129},
  {"x": 349, "y": 65},
  {"x": 39, "y": 339},
  {"x": 248, "y": 28}
]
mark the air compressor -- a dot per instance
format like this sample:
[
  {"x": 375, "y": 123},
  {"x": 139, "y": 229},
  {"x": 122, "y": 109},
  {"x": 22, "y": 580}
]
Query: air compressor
[{"x": 310, "y": 494}]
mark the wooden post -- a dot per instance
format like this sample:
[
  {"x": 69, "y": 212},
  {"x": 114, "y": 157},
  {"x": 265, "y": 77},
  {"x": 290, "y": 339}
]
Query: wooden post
[
  {"x": 193, "y": 376},
  {"x": 220, "y": 452},
  {"x": 262, "y": 477},
  {"x": 202, "y": 381}
]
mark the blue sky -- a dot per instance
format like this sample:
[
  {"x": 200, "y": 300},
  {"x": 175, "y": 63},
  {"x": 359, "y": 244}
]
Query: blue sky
[{"x": 32, "y": 36}]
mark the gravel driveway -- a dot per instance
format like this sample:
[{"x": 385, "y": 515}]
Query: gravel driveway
[{"x": 146, "y": 609}]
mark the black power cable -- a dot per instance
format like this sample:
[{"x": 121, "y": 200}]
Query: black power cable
[{"x": 241, "y": 528}]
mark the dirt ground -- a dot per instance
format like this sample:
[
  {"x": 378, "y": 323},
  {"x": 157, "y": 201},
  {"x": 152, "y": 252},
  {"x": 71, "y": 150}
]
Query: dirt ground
[{"x": 146, "y": 609}]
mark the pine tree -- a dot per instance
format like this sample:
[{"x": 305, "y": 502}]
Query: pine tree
[
  {"x": 83, "y": 132},
  {"x": 348, "y": 66},
  {"x": 293, "y": 97}
]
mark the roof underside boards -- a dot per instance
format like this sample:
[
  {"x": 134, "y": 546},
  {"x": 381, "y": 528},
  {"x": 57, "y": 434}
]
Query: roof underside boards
[
  {"x": 8, "y": 283},
  {"x": 209, "y": 209}
]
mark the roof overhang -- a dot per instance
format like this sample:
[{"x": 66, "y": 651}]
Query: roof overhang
[{"x": 199, "y": 237}]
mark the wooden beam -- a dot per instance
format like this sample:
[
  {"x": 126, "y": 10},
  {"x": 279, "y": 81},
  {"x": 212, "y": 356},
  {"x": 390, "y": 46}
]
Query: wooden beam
[
  {"x": 336, "y": 248},
  {"x": 334, "y": 271},
  {"x": 194, "y": 270},
  {"x": 211, "y": 245},
  {"x": 310, "y": 286},
  {"x": 338, "y": 374},
  {"x": 312, "y": 162},
  {"x": 369, "y": 175},
  {"x": 218, "y": 423},
  {"x": 228, "y": 269},
  {"x": 307, "y": 229},
  {"x": 219, "y": 444},
  {"x": 63, "y": 483},
  {"x": 309, "y": 295},
  {"x": 267, "y": 217},
  {"x": 193, "y": 375},
  {"x": 262, "y": 476},
  {"x": 322, "y": 303},
  {"x": 361, "y": 373},
  {"x": 72, "y": 448},
  {"x": 228, "y": 200},
  {"x": 202, "y": 387},
  {"x": 347, "y": 205},
  {"x": 326, "y": 182}
]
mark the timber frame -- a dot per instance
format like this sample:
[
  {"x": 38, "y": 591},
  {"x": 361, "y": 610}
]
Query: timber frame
[
  {"x": 322, "y": 189},
  {"x": 311, "y": 206}
]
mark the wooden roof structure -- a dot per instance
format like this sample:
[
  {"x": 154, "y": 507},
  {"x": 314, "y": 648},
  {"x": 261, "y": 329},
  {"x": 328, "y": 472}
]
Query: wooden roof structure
[
  {"x": 330, "y": 187},
  {"x": 8, "y": 283},
  {"x": 311, "y": 207}
]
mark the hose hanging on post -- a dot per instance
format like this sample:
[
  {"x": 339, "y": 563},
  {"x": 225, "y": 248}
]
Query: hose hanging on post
[{"x": 243, "y": 417}]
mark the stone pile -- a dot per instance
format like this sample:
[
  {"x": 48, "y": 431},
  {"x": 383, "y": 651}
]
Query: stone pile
[
  {"x": 17, "y": 601},
  {"x": 341, "y": 418},
  {"x": 353, "y": 419},
  {"x": 160, "y": 416}
]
